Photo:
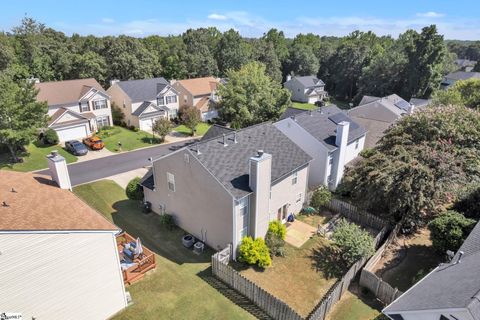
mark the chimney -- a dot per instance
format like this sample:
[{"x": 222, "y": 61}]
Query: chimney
[
  {"x": 59, "y": 170},
  {"x": 411, "y": 108},
  {"x": 225, "y": 144},
  {"x": 341, "y": 141},
  {"x": 260, "y": 182},
  {"x": 113, "y": 81},
  {"x": 289, "y": 77}
]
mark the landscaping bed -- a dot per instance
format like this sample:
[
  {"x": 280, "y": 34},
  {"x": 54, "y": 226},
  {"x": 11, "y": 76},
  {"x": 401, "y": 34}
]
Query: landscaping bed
[{"x": 129, "y": 139}]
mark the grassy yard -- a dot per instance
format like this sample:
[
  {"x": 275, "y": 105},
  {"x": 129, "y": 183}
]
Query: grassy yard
[
  {"x": 179, "y": 287},
  {"x": 129, "y": 139},
  {"x": 316, "y": 219},
  {"x": 299, "y": 279},
  {"x": 354, "y": 306},
  {"x": 303, "y": 106},
  {"x": 200, "y": 130},
  {"x": 34, "y": 158}
]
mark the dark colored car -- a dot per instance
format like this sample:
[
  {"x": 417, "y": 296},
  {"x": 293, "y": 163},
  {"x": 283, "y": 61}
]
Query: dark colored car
[{"x": 76, "y": 147}]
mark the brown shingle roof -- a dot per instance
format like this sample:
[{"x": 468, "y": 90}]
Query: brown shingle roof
[
  {"x": 199, "y": 86},
  {"x": 60, "y": 92},
  {"x": 39, "y": 204}
]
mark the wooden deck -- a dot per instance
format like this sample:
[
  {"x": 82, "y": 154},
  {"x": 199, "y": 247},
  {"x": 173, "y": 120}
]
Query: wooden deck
[{"x": 144, "y": 263}]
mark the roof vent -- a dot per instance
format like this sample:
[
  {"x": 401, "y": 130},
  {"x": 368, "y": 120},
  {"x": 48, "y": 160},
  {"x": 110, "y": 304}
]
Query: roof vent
[
  {"x": 54, "y": 153},
  {"x": 225, "y": 144},
  {"x": 310, "y": 113},
  {"x": 459, "y": 259},
  {"x": 235, "y": 137},
  {"x": 13, "y": 190},
  {"x": 4, "y": 204},
  {"x": 198, "y": 150},
  {"x": 259, "y": 153}
]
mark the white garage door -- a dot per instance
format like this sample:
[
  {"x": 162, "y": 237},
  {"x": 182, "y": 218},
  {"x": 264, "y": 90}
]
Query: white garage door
[
  {"x": 146, "y": 124},
  {"x": 71, "y": 133}
]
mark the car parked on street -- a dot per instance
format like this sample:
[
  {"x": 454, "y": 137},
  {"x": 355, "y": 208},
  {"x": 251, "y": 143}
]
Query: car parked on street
[
  {"x": 76, "y": 147},
  {"x": 94, "y": 143}
]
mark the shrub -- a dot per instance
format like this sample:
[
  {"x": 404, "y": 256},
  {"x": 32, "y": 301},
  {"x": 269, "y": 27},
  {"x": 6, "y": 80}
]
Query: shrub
[
  {"x": 254, "y": 252},
  {"x": 449, "y": 230},
  {"x": 468, "y": 201},
  {"x": 50, "y": 137},
  {"x": 162, "y": 127},
  {"x": 134, "y": 191},
  {"x": 320, "y": 197},
  {"x": 367, "y": 153},
  {"x": 277, "y": 228},
  {"x": 353, "y": 242},
  {"x": 275, "y": 244},
  {"x": 167, "y": 221}
]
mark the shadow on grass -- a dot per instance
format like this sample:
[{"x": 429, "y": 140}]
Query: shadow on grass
[
  {"x": 166, "y": 243},
  {"x": 233, "y": 295},
  {"x": 327, "y": 259}
]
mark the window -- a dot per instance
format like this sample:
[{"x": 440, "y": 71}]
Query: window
[
  {"x": 100, "y": 104},
  {"x": 160, "y": 101},
  {"x": 103, "y": 121},
  {"x": 243, "y": 207},
  {"x": 330, "y": 160},
  {"x": 171, "y": 99},
  {"x": 299, "y": 197},
  {"x": 171, "y": 181},
  {"x": 243, "y": 233},
  {"x": 356, "y": 144},
  {"x": 295, "y": 178},
  {"x": 124, "y": 104},
  {"x": 329, "y": 178},
  {"x": 84, "y": 107}
]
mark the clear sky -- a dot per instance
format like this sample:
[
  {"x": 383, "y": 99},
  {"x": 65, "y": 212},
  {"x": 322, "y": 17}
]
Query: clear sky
[{"x": 456, "y": 19}]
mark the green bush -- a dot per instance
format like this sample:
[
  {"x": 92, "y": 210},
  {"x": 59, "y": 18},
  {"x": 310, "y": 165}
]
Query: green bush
[
  {"x": 352, "y": 241},
  {"x": 134, "y": 191},
  {"x": 275, "y": 244},
  {"x": 167, "y": 221},
  {"x": 320, "y": 198},
  {"x": 449, "y": 230},
  {"x": 254, "y": 252},
  {"x": 50, "y": 137},
  {"x": 468, "y": 201},
  {"x": 367, "y": 153},
  {"x": 277, "y": 228}
]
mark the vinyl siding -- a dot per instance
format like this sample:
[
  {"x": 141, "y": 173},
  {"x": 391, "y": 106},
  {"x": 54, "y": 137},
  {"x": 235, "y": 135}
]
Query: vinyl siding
[{"x": 61, "y": 276}]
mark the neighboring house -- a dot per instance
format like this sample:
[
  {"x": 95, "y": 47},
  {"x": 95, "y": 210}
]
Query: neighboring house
[
  {"x": 59, "y": 257},
  {"x": 465, "y": 64},
  {"x": 223, "y": 189},
  {"x": 330, "y": 137},
  {"x": 77, "y": 108},
  {"x": 453, "y": 77},
  {"x": 377, "y": 114},
  {"x": 450, "y": 292},
  {"x": 200, "y": 93},
  {"x": 144, "y": 101},
  {"x": 308, "y": 89}
]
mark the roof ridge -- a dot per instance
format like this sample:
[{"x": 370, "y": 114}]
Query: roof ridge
[{"x": 68, "y": 80}]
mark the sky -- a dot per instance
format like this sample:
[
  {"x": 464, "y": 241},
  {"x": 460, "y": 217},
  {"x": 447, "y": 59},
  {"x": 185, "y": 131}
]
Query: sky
[{"x": 456, "y": 19}]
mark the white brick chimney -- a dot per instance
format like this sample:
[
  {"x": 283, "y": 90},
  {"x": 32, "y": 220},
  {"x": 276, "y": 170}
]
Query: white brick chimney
[
  {"x": 260, "y": 178},
  {"x": 59, "y": 170},
  {"x": 341, "y": 141}
]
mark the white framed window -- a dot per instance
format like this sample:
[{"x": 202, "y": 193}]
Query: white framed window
[
  {"x": 243, "y": 233},
  {"x": 243, "y": 207},
  {"x": 356, "y": 144},
  {"x": 171, "y": 99},
  {"x": 84, "y": 107},
  {"x": 299, "y": 197},
  {"x": 124, "y": 104},
  {"x": 160, "y": 101},
  {"x": 295, "y": 178},
  {"x": 103, "y": 121},
  {"x": 100, "y": 104},
  {"x": 330, "y": 160},
  {"x": 171, "y": 181}
]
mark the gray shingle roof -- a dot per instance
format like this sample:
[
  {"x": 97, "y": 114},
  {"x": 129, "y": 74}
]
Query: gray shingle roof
[
  {"x": 143, "y": 89},
  {"x": 230, "y": 164},
  {"x": 216, "y": 131},
  {"x": 451, "y": 285},
  {"x": 290, "y": 112},
  {"x": 322, "y": 123},
  {"x": 310, "y": 81},
  {"x": 147, "y": 181},
  {"x": 144, "y": 106},
  {"x": 462, "y": 75}
]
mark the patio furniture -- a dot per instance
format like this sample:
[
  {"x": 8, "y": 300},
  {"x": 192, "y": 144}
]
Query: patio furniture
[{"x": 135, "y": 259}]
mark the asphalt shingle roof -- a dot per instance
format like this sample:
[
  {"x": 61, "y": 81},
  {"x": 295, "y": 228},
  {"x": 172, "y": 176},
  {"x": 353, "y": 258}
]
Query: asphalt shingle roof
[
  {"x": 216, "y": 131},
  {"x": 290, "y": 112},
  {"x": 144, "y": 106},
  {"x": 322, "y": 124},
  {"x": 143, "y": 89},
  {"x": 462, "y": 75},
  {"x": 451, "y": 285},
  {"x": 230, "y": 165},
  {"x": 310, "y": 81}
]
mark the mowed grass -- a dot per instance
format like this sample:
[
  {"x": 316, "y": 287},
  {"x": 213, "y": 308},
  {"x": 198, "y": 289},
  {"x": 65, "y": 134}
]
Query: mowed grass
[
  {"x": 351, "y": 307},
  {"x": 178, "y": 287},
  {"x": 34, "y": 158},
  {"x": 303, "y": 106},
  {"x": 200, "y": 129},
  {"x": 129, "y": 139},
  {"x": 297, "y": 279}
]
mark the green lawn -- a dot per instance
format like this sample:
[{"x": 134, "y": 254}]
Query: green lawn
[
  {"x": 201, "y": 129},
  {"x": 34, "y": 158},
  {"x": 129, "y": 139},
  {"x": 178, "y": 288},
  {"x": 351, "y": 307},
  {"x": 303, "y": 106}
]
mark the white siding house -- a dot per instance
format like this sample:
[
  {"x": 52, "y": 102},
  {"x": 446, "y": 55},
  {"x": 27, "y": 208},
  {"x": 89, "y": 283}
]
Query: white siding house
[{"x": 307, "y": 89}]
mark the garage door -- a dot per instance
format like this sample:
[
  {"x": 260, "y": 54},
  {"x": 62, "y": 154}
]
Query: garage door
[
  {"x": 146, "y": 124},
  {"x": 71, "y": 133}
]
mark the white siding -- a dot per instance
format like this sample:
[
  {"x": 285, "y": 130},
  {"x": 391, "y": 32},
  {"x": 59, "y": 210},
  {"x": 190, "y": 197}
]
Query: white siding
[
  {"x": 297, "y": 90},
  {"x": 353, "y": 150},
  {"x": 61, "y": 276}
]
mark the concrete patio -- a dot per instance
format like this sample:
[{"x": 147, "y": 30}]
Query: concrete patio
[{"x": 298, "y": 233}]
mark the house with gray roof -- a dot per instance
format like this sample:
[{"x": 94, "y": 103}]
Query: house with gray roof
[
  {"x": 450, "y": 291},
  {"x": 330, "y": 137},
  {"x": 230, "y": 186},
  {"x": 307, "y": 89},
  {"x": 450, "y": 79},
  {"x": 465, "y": 64},
  {"x": 144, "y": 101}
]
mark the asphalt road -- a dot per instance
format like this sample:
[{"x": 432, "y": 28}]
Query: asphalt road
[{"x": 88, "y": 171}]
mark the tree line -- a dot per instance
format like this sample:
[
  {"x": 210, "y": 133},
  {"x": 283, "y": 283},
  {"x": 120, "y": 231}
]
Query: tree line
[{"x": 352, "y": 66}]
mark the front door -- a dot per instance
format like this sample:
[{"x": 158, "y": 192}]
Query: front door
[{"x": 282, "y": 213}]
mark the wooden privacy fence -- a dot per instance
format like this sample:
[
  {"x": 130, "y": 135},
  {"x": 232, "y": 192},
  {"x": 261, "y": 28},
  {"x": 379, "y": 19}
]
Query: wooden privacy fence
[
  {"x": 356, "y": 215},
  {"x": 273, "y": 306}
]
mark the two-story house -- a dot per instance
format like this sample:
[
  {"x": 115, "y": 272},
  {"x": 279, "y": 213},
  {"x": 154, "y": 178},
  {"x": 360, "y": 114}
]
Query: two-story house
[
  {"x": 77, "y": 108},
  {"x": 144, "y": 101},
  {"x": 223, "y": 189},
  {"x": 329, "y": 136},
  {"x": 307, "y": 89},
  {"x": 200, "y": 93}
]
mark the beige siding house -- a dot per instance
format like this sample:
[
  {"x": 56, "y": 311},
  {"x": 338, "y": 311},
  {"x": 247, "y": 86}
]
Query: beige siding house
[
  {"x": 76, "y": 108},
  {"x": 199, "y": 93},
  {"x": 144, "y": 101},
  {"x": 230, "y": 186},
  {"x": 59, "y": 257}
]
